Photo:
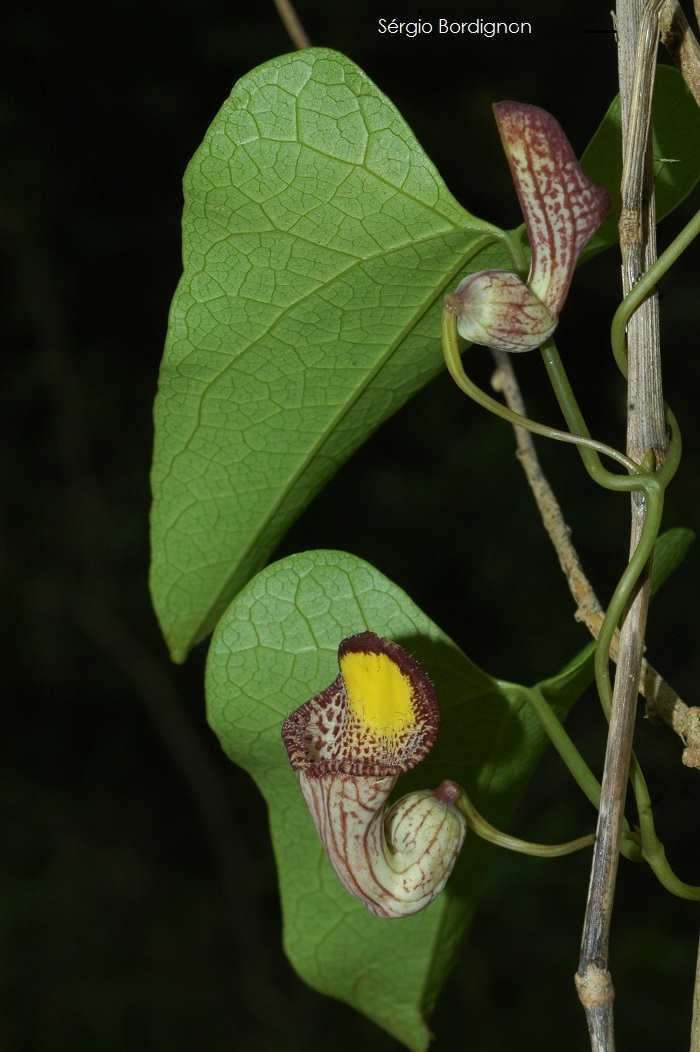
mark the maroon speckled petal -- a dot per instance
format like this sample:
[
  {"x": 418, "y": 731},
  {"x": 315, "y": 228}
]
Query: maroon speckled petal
[
  {"x": 324, "y": 734},
  {"x": 561, "y": 206}
]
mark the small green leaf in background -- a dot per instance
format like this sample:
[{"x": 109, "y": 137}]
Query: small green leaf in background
[
  {"x": 274, "y": 648},
  {"x": 670, "y": 550},
  {"x": 317, "y": 240},
  {"x": 676, "y": 146}
]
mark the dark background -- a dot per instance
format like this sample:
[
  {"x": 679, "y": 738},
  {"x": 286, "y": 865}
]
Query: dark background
[{"x": 138, "y": 905}]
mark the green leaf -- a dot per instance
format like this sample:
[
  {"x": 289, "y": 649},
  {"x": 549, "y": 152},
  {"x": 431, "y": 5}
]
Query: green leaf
[
  {"x": 670, "y": 550},
  {"x": 676, "y": 146},
  {"x": 275, "y": 647},
  {"x": 318, "y": 240}
]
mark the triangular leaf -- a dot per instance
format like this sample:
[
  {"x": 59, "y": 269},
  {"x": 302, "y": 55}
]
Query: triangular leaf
[
  {"x": 274, "y": 648},
  {"x": 670, "y": 550},
  {"x": 318, "y": 239}
]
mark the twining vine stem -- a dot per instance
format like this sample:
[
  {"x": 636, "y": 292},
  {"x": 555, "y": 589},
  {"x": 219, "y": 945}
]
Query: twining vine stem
[
  {"x": 653, "y": 453},
  {"x": 651, "y": 483},
  {"x": 663, "y": 703},
  {"x": 637, "y": 27}
]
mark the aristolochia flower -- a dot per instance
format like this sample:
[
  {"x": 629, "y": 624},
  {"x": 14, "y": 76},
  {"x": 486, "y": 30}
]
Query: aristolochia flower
[
  {"x": 562, "y": 209},
  {"x": 349, "y": 744}
]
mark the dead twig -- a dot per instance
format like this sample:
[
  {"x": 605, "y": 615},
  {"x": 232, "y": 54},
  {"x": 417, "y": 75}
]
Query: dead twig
[
  {"x": 681, "y": 44},
  {"x": 637, "y": 29},
  {"x": 292, "y": 24},
  {"x": 663, "y": 703}
]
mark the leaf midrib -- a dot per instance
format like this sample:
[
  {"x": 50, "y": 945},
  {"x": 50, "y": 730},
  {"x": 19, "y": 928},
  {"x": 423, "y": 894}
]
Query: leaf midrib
[{"x": 348, "y": 405}]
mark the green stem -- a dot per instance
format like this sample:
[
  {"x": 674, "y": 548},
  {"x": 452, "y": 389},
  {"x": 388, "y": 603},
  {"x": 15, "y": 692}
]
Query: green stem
[
  {"x": 652, "y": 849},
  {"x": 574, "y": 419},
  {"x": 575, "y": 763},
  {"x": 638, "y": 477},
  {"x": 582, "y": 774},
  {"x": 453, "y": 360},
  {"x": 654, "y": 492},
  {"x": 488, "y": 832},
  {"x": 645, "y": 285}
]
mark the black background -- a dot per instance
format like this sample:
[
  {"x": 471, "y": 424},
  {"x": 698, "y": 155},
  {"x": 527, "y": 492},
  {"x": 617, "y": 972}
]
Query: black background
[{"x": 138, "y": 905}]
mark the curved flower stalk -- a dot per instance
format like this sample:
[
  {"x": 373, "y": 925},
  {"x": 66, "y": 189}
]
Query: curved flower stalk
[
  {"x": 349, "y": 744},
  {"x": 562, "y": 209}
]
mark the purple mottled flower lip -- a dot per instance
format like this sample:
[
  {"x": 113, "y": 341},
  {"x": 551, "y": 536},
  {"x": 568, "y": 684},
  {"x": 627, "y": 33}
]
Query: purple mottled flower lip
[
  {"x": 348, "y": 745},
  {"x": 562, "y": 209},
  {"x": 380, "y": 716}
]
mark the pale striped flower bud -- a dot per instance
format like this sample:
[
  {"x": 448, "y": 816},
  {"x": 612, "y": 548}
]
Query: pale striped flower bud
[{"x": 562, "y": 209}]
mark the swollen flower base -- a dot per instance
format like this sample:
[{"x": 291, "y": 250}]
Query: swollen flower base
[{"x": 349, "y": 744}]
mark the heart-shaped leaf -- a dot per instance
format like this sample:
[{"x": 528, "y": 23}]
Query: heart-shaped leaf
[
  {"x": 317, "y": 240},
  {"x": 276, "y": 646}
]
